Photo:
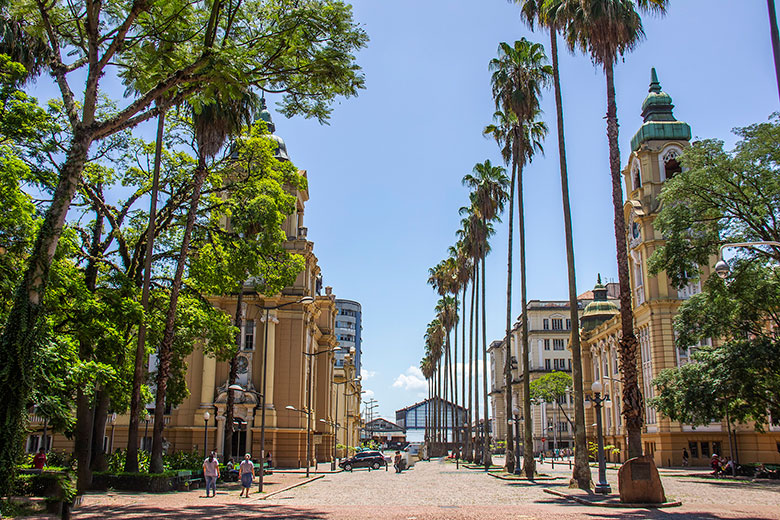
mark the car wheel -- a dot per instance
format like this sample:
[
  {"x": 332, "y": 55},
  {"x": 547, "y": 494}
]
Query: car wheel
[
  {"x": 375, "y": 465},
  {"x": 348, "y": 467}
]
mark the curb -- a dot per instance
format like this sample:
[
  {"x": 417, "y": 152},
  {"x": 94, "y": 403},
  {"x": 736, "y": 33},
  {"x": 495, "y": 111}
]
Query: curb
[
  {"x": 272, "y": 493},
  {"x": 515, "y": 478},
  {"x": 586, "y": 502}
]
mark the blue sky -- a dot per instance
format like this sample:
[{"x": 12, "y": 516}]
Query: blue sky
[{"x": 385, "y": 175}]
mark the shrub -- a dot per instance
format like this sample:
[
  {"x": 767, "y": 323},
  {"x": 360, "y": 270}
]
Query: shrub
[
  {"x": 116, "y": 461},
  {"x": 191, "y": 460}
]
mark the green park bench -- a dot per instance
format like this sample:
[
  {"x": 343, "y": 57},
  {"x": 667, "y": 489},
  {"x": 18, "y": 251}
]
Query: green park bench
[{"x": 187, "y": 481}]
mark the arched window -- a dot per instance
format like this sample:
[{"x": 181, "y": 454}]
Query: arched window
[
  {"x": 636, "y": 175},
  {"x": 670, "y": 165}
]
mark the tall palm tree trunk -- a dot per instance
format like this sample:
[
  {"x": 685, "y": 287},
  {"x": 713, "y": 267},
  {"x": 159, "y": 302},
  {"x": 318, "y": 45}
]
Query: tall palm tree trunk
[
  {"x": 529, "y": 464},
  {"x": 509, "y": 462},
  {"x": 775, "y": 39},
  {"x": 581, "y": 472},
  {"x": 477, "y": 454},
  {"x": 632, "y": 397},
  {"x": 469, "y": 440},
  {"x": 454, "y": 380},
  {"x": 486, "y": 459},
  {"x": 139, "y": 374},
  {"x": 165, "y": 352},
  {"x": 464, "y": 437}
]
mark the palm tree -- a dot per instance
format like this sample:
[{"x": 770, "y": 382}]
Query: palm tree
[
  {"x": 212, "y": 125},
  {"x": 607, "y": 29},
  {"x": 489, "y": 194},
  {"x": 775, "y": 39},
  {"x": 434, "y": 339},
  {"x": 550, "y": 14},
  {"x": 426, "y": 367},
  {"x": 519, "y": 73},
  {"x": 463, "y": 277},
  {"x": 447, "y": 314}
]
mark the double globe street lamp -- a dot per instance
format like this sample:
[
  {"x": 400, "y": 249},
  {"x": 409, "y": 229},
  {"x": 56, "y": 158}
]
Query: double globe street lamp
[
  {"x": 597, "y": 401},
  {"x": 517, "y": 419},
  {"x": 722, "y": 267}
]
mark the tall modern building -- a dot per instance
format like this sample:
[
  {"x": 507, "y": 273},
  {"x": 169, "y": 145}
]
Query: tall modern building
[{"x": 348, "y": 329}]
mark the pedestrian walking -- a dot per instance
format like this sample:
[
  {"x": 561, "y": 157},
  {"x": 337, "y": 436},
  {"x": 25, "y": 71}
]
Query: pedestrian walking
[
  {"x": 39, "y": 461},
  {"x": 211, "y": 473},
  {"x": 246, "y": 472},
  {"x": 685, "y": 457},
  {"x": 397, "y": 462}
]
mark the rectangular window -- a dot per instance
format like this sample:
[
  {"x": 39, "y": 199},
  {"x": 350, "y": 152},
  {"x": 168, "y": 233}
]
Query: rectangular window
[
  {"x": 546, "y": 324},
  {"x": 547, "y": 364},
  {"x": 557, "y": 323},
  {"x": 705, "y": 448},
  {"x": 547, "y": 344},
  {"x": 569, "y": 364},
  {"x": 558, "y": 344},
  {"x": 555, "y": 364},
  {"x": 693, "y": 447},
  {"x": 716, "y": 447},
  {"x": 249, "y": 335},
  {"x": 568, "y": 324}
]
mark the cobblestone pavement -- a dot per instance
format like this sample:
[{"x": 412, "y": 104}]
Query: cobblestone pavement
[{"x": 437, "y": 490}]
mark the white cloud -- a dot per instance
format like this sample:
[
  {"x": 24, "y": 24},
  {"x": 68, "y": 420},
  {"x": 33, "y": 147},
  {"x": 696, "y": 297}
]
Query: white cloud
[
  {"x": 368, "y": 394},
  {"x": 366, "y": 374},
  {"x": 412, "y": 379}
]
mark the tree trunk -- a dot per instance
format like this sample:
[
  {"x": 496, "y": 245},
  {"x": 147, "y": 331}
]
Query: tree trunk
[
  {"x": 581, "y": 472},
  {"x": 18, "y": 342},
  {"x": 231, "y": 398},
  {"x": 447, "y": 389},
  {"x": 509, "y": 459},
  {"x": 99, "y": 462},
  {"x": 469, "y": 441},
  {"x": 477, "y": 452},
  {"x": 463, "y": 436},
  {"x": 529, "y": 464},
  {"x": 486, "y": 458},
  {"x": 83, "y": 446},
  {"x": 632, "y": 397},
  {"x": 139, "y": 374},
  {"x": 775, "y": 39},
  {"x": 454, "y": 382},
  {"x": 165, "y": 352}
]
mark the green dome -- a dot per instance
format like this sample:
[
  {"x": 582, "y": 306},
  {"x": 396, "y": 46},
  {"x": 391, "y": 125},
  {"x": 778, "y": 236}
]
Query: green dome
[
  {"x": 659, "y": 121},
  {"x": 597, "y": 308},
  {"x": 281, "y": 147}
]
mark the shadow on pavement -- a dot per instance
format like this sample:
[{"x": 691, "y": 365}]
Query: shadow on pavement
[{"x": 245, "y": 510}]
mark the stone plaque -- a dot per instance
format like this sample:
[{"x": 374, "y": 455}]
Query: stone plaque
[{"x": 640, "y": 471}]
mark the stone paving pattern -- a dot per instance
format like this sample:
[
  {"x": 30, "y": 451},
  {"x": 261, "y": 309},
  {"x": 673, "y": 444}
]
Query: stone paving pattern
[{"x": 435, "y": 489}]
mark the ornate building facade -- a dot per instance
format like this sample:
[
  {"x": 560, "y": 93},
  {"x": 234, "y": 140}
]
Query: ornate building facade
[{"x": 653, "y": 160}]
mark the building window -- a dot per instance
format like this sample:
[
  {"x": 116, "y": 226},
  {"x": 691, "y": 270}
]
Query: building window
[
  {"x": 546, "y": 324},
  {"x": 547, "y": 344},
  {"x": 693, "y": 447},
  {"x": 568, "y": 324},
  {"x": 547, "y": 364},
  {"x": 705, "y": 448},
  {"x": 558, "y": 344},
  {"x": 647, "y": 373},
  {"x": 249, "y": 334},
  {"x": 557, "y": 323}
]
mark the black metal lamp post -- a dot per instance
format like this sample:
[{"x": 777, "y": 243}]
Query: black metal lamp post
[
  {"x": 309, "y": 413},
  {"x": 146, "y": 429},
  {"x": 597, "y": 400},
  {"x": 518, "y": 418}
]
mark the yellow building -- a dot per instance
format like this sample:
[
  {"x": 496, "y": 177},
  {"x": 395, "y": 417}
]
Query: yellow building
[
  {"x": 298, "y": 343},
  {"x": 653, "y": 160}
]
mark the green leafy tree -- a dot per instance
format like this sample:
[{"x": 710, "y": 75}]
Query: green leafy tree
[
  {"x": 722, "y": 197},
  {"x": 304, "y": 48},
  {"x": 550, "y": 388},
  {"x": 607, "y": 30}
]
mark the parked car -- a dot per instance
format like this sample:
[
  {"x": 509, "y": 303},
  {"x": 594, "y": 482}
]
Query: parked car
[{"x": 364, "y": 459}]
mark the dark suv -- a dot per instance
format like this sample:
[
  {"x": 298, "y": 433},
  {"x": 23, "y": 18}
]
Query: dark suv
[{"x": 364, "y": 459}]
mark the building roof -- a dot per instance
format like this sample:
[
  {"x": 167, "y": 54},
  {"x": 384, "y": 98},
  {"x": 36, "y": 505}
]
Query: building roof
[
  {"x": 420, "y": 403},
  {"x": 660, "y": 123},
  {"x": 383, "y": 426}
]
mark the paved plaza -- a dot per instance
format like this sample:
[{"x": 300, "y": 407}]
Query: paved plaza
[{"x": 436, "y": 489}]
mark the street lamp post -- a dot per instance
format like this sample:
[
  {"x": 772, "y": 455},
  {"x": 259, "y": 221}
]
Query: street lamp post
[
  {"x": 336, "y": 413},
  {"x": 518, "y": 418},
  {"x": 722, "y": 268},
  {"x": 602, "y": 486},
  {"x": 304, "y": 300},
  {"x": 309, "y": 412},
  {"x": 206, "y": 417},
  {"x": 146, "y": 429}
]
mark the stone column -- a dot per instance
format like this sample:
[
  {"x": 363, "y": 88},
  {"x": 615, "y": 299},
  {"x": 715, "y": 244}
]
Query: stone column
[
  {"x": 220, "y": 436},
  {"x": 249, "y": 423},
  {"x": 270, "y": 356},
  {"x": 208, "y": 381}
]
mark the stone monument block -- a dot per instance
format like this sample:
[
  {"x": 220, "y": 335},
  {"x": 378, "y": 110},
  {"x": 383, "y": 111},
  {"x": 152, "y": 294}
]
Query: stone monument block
[{"x": 639, "y": 482}]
